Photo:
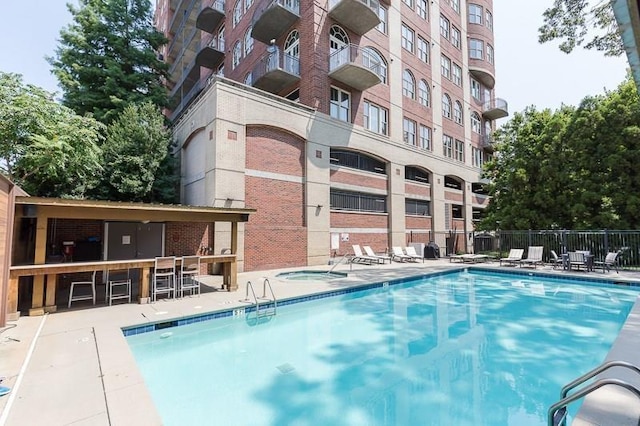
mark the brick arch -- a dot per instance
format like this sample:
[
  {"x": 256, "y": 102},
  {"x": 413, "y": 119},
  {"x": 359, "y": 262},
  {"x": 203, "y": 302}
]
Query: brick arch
[{"x": 276, "y": 235}]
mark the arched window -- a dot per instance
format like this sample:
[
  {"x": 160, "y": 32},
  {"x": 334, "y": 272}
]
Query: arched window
[
  {"x": 237, "y": 54},
  {"x": 292, "y": 53},
  {"x": 248, "y": 42},
  {"x": 424, "y": 95},
  {"x": 457, "y": 112},
  {"x": 237, "y": 12},
  {"x": 408, "y": 85},
  {"x": 476, "y": 123},
  {"x": 375, "y": 62},
  {"x": 338, "y": 40},
  {"x": 446, "y": 106}
]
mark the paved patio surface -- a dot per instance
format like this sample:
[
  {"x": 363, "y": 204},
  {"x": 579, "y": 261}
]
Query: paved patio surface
[{"x": 75, "y": 367}]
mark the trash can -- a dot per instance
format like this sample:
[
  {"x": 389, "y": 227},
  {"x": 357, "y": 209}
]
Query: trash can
[{"x": 432, "y": 251}]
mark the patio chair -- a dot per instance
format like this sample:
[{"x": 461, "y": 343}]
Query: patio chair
[
  {"x": 411, "y": 251},
  {"x": 118, "y": 286},
  {"x": 578, "y": 259},
  {"x": 534, "y": 257},
  {"x": 90, "y": 295},
  {"x": 514, "y": 256},
  {"x": 359, "y": 257},
  {"x": 189, "y": 274},
  {"x": 381, "y": 257},
  {"x": 610, "y": 261},
  {"x": 399, "y": 256},
  {"x": 556, "y": 260},
  {"x": 164, "y": 277}
]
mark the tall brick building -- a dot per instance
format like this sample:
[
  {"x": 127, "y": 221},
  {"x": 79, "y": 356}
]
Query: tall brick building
[{"x": 342, "y": 122}]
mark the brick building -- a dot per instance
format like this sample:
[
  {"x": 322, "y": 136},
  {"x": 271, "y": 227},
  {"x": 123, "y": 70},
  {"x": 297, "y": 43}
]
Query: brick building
[{"x": 342, "y": 122}]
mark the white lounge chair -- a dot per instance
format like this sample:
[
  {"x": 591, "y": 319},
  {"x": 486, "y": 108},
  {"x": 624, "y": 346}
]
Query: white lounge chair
[
  {"x": 411, "y": 251},
  {"x": 359, "y": 257},
  {"x": 400, "y": 256},
  {"x": 556, "y": 260},
  {"x": 514, "y": 256},
  {"x": 381, "y": 257},
  {"x": 534, "y": 257}
]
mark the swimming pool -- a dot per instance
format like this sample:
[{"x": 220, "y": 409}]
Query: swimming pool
[{"x": 474, "y": 348}]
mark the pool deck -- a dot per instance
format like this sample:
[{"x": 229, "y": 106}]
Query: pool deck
[{"x": 75, "y": 367}]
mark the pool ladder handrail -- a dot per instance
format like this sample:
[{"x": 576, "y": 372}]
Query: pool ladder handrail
[
  {"x": 266, "y": 284},
  {"x": 255, "y": 299},
  {"x": 557, "y": 414},
  {"x": 337, "y": 263}
]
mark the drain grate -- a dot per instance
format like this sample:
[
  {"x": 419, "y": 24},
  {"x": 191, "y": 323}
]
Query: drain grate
[{"x": 285, "y": 368}]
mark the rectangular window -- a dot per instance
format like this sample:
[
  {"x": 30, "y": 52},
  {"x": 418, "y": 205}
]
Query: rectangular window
[
  {"x": 447, "y": 146},
  {"x": 475, "y": 89},
  {"x": 408, "y": 37},
  {"x": 478, "y": 157},
  {"x": 455, "y": 37},
  {"x": 357, "y": 201},
  {"x": 445, "y": 67},
  {"x": 382, "y": 14},
  {"x": 475, "y": 14},
  {"x": 423, "y": 9},
  {"x": 455, "y": 5},
  {"x": 408, "y": 3},
  {"x": 375, "y": 118},
  {"x": 444, "y": 27},
  {"x": 476, "y": 49},
  {"x": 423, "y": 50},
  {"x": 409, "y": 131},
  {"x": 456, "y": 74},
  {"x": 489, "y": 19},
  {"x": 340, "y": 105},
  {"x": 416, "y": 207},
  {"x": 490, "y": 54},
  {"x": 425, "y": 137},
  {"x": 459, "y": 151},
  {"x": 457, "y": 211}
]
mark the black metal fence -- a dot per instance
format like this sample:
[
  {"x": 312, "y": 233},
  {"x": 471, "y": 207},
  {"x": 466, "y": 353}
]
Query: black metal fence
[{"x": 599, "y": 243}]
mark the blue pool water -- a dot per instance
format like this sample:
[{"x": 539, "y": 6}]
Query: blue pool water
[{"x": 472, "y": 348}]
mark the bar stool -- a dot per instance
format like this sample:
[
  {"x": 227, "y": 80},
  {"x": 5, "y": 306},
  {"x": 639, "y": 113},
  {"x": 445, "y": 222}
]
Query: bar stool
[
  {"x": 164, "y": 277},
  {"x": 83, "y": 296},
  {"x": 189, "y": 273},
  {"x": 118, "y": 286}
]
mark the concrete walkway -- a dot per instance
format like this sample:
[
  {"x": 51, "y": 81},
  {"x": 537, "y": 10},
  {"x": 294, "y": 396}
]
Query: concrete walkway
[{"x": 75, "y": 366}]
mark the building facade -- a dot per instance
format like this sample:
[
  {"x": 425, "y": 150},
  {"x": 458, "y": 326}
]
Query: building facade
[{"x": 343, "y": 122}]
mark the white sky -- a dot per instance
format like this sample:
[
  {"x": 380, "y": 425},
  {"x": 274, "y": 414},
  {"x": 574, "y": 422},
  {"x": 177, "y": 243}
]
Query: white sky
[{"x": 527, "y": 73}]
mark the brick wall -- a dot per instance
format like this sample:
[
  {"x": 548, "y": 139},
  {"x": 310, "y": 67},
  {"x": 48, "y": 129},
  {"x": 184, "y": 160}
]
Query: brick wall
[
  {"x": 186, "y": 239},
  {"x": 276, "y": 235},
  {"x": 353, "y": 178}
]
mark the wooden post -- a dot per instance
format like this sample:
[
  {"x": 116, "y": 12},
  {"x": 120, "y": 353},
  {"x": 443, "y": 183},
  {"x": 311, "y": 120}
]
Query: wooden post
[
  {"x": 144, "y": 285},
  {"x": 231, "y": 269},
  {"x": 37, "y": 299},
  {"x": 12, "y": 299},
  {"x": 50, "y": 297}
]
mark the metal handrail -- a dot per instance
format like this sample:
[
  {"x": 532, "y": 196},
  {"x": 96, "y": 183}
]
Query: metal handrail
[
  {"x": 337, "y": 263},
  {"x": 266, "y": 284},
  {"x": 566, "y": 400},
  {"x": 255, "y": 299},
  {"x": 563, "y": 403}
]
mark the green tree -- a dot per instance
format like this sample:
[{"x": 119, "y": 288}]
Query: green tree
[
  {"x": 45, "y": 147},
  {"x": 135, "y": 150},
  {"x": 106, "y": 58},
  {"x": 574, "y": 23}
]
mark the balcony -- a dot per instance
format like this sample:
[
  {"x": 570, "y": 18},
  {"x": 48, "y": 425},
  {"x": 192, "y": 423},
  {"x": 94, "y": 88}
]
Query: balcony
[
  {"x": 486, "y": 142},
  {"x": 276, "y": 71},
  {"x": 211, "y": 55},
  {"x": 354, "y": 67},
  {"x": 359, "y": 16},
  {"x": 274, "y": 18},
  {"x": 210, "y": 16},
  {"x": 495, "y": 108},
  {"x": 480, "y": 70}
]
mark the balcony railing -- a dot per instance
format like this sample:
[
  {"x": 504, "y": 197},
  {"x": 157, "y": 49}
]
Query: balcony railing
[
  {"x": 352, "y": 65},
  {"x": 274, "y": 19},
  {"x": 276, "y": 71},
  {"x": 359, "y": 16},
  {"x": 212, "y": 54},
  {"x": 486, "y": 141},
  {"x": 210, "y": 16},
  {"x": 495, "y": 108}
]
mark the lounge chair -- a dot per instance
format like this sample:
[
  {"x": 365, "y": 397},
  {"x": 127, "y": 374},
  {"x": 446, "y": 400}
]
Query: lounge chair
[
  {"x": 381, "y": 257},
  {"x": 514, "y": 256},
  {"x": 469, "y": 257},
  {"x": 610, "y": 261},
  {"x": 411, "y": 251},
  {"x": 556, "y": 260},
  {"x": 359, "y": 257},
  {"x": 400, "y": 256},
  {"x": 534, "y": 257}
]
